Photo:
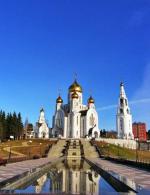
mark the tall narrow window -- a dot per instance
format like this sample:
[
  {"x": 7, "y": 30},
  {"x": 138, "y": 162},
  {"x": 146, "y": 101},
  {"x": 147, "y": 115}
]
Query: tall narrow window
[
  {"x": 121, "y": 102},
  {"x": 92, "y": 120},
  {"x": 77, "y": 121},
  {"x": 83, "y": 124},
  {"x": 121, "y": 124}
]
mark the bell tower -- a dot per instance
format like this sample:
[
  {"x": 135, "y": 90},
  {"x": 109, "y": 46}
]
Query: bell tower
[{"x": 124, "y": 117}]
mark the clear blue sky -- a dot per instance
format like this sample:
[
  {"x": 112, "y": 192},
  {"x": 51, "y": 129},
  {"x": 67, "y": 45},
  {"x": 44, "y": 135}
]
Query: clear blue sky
[{"x": 43, "y": 43}]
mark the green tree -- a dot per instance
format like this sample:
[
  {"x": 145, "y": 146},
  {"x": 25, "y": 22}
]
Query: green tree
[
  {"x": 19, "y": 126},
  {"x": 10, "y": 125},
  {"x": 2, "y": 125},
  {"x": 148, "y": 134}
]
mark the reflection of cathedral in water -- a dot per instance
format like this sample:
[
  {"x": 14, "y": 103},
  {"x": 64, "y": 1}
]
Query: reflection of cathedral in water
[
  {"x": 71, "y": 179},
  {"x": 40, "y": 182}
]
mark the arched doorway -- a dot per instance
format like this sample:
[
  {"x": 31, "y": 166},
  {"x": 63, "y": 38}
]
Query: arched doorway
[
  {"x": 96, "y": 134},
  {"x": 43, "y": 135},
  {"x": 90, "y": 132}
]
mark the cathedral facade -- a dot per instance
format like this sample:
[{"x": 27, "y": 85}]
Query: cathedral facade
[{"x": 75, "y": 120}]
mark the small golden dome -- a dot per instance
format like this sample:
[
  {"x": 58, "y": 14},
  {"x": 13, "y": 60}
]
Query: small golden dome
[
  {"x": 59, "y": 100},
  {"x": 75, "y": 87},
  {"x": 90, "y": 100},
  {"x": 75, "y": 95}
]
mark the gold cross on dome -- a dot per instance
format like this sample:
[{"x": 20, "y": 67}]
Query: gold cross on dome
[
  {"x": 59, "y": 91},
  {"x": 75, "y": 76}
]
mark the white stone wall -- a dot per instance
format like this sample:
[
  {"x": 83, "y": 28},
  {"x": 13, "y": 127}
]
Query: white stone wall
[{"x": 131, "y": 144}]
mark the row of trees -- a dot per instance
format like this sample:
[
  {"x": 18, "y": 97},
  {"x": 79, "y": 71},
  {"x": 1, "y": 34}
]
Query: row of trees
[
  {"x": 148, "y": 134},
  {"x": 108, "y": 134},
  {"x": 10, "y": 125}
]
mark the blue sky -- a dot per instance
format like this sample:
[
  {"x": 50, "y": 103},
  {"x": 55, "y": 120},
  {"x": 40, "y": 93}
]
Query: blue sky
[{"x": 43, "y": 43}]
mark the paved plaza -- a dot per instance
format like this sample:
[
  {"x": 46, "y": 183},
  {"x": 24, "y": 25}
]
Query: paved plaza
[
  {"x": 14, "y": 169},
  {"x": 131, "y": 176},
  {"x": 139, "y": 176}
]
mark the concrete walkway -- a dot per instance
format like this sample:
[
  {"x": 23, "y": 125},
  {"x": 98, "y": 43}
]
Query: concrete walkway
[
  {"x": 139, "y": 176},
  {"x": 12, "y": 170}
]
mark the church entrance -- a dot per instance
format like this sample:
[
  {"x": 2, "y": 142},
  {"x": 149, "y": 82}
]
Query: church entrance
[
  {"x": 43, "y": 135},
  {"x": 90, "y": 132},
  {"x": 96, "y": 134}
]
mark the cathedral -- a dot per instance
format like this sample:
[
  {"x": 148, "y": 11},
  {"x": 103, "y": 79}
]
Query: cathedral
[{"x": 75, "y": 120}]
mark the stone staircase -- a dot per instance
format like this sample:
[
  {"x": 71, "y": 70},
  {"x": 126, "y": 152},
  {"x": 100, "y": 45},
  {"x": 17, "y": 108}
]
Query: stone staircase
[
  {"x": 73, "y": 151},
  {"x": 89, "y": 150},
  {"x": 56, "y": 150}
]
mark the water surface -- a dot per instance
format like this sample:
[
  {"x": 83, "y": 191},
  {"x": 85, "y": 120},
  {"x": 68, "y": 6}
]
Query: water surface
[{"x": 72, "y": 177}]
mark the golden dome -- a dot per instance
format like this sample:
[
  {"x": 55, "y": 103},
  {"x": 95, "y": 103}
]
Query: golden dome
[
  {"x": 59, "y": 100},
  {"x": 75, "y": 95},
  {"x": 75, "y": 87},
  {"x": 90, "y": 100}
]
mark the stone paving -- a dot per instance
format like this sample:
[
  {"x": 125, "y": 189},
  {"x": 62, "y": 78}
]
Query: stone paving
[
  {"x": 11, "y": 170},
  {"x": 139, "y": 176}
]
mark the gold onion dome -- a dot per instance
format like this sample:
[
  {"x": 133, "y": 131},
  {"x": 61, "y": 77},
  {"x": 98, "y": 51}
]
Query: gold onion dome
[
  {"x": 91, "y": 100},
  {"x": 75, "y": 87},
  {"x": 59, "y": 99},
  {"x": 74, "y": 95}
]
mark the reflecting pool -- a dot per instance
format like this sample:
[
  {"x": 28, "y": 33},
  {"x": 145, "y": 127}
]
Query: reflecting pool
[{"x": 71, "y": 176}]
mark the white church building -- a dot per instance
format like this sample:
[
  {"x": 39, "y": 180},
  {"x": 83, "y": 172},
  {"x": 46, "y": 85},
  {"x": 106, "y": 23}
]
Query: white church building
[
  {"x": 42, "y": 129},
  {"x": 124, "y": 117},
  {"x": 75, "y": 120}
]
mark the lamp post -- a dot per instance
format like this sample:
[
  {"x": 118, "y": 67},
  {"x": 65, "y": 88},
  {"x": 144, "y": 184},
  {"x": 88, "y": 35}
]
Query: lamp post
[
  {"x": 40, "y": 148},
  {"x": 108, "y": 149},
  {"x": 9, "y": 152},
  {"x": 137, "y": 146},
  {"x": 118, "y": 151}
]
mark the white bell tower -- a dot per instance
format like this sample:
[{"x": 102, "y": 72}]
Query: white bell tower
[{"x": 124, "y": 117}]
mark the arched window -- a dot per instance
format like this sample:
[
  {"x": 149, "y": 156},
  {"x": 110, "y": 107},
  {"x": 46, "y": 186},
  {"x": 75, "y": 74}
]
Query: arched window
[
  {"x": 92, "y": 120},
  {"x": 121, "y": 102},
  {"x": 121, "y": 110},
  {"x": 121, "y": 124}
]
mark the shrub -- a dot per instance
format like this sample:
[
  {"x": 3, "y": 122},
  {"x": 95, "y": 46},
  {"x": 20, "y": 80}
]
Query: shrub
[
  {"x": 36, "y": 157},
  {"x": 3, "y": 161}
]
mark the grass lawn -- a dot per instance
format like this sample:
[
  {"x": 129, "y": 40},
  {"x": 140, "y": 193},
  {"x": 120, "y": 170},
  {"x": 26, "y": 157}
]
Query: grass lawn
[
  {"x": 120, "y": 152},
  {"x": 26, "y": 147}
]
